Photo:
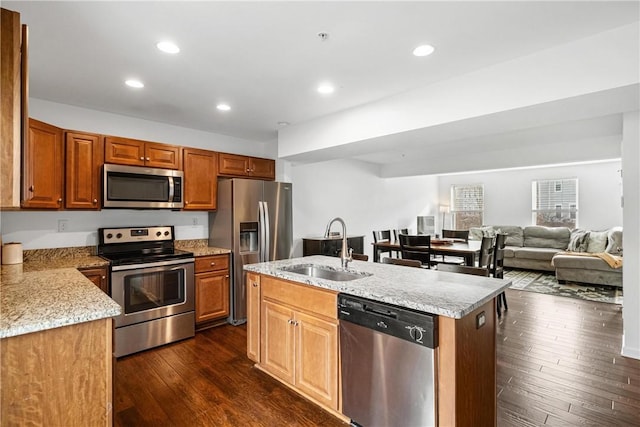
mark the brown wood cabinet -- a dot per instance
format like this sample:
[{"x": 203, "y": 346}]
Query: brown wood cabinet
[
  {"x": 133, "y": 152},
  {"x": 13, "y": 87},
  {"x": 212, "y": 289},
  {"x": 83, "y": 159},
  {"x": 200, "y": 179},
  {"x": 43, "y": 167},
  {"x": 58, "y": 377},
  {"x": 299, "y": 338},
  {"x": 253, "y": 316},
  {"x": 247, "y": 167},
  {"x": 99, "y": 276}
]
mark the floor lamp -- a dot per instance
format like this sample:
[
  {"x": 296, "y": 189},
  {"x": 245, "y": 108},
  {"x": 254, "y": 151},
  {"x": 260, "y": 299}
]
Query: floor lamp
[{"x": 444, "y": 210}]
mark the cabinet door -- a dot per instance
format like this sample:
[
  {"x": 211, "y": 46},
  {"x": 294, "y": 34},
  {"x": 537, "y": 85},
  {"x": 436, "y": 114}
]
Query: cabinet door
[
  {"x": 98, "y": 276},
  {"x": 317, "y": 358},
  {"x": 212, "y": 296},
  {"x": 231, "y": 164},
  {"x": 253, "y": 317},
  {"x": 43, "y": 167},
  {"x": 84, "y": 157},
  {"x": 124, "y": 151},
  {"x": 263, "y": 168},
  {"x": 276, "y": 349},
  {"x": 162, "y": 156},
  {"x": 200, "y": 179}
]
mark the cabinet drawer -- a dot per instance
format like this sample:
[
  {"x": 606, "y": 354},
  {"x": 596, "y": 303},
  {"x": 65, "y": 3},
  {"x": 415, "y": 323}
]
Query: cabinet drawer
[
  {"x": 212, "y": 263},
  {"x": 312, "y": 300}
]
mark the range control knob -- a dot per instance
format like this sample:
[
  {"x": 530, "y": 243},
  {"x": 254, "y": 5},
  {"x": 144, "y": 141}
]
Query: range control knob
[
  {"x": 119, "y": 236},
  {"x": 109, "y": 235},
  {"x": 166, "y": 233},
  {"x": 158, "y": 233}
]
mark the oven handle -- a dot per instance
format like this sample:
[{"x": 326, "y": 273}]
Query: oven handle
[{"x": 152, "y": 264}]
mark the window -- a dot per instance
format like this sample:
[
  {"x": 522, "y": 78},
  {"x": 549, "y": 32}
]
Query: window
[
  {"x": 467, "y": 205},
  {"x": 555, "y": 202}
]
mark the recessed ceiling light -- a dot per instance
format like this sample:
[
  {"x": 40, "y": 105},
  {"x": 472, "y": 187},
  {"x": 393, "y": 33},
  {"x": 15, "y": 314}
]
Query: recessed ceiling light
[
  {"x": 168, "y": 47},
  {"x": 326, "y": 89},
  {"x": 423, "y": 50},
  {"x": 283, "y": 123},
  {"x": 223, "y": 107},
  {"x": 134, "y": 83}
]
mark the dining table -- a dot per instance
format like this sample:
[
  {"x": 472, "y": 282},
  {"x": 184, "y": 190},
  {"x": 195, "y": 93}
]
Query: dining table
[{"x": 452, "y": 247}]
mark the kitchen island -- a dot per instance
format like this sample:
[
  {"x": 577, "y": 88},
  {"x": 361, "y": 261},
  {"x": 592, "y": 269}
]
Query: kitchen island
[
  {"x": 56, "y": 361},
  {"x": 292, "y": 331}
]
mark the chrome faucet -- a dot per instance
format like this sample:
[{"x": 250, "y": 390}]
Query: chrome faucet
[{"x": 345, "y": 254}]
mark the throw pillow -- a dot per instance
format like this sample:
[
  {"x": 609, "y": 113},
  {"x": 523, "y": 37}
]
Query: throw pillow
[
  {"x": 597, "y": 242},
  {"x": 488, "y": 231},
  {"x": 578, "y": 241},
  {"x": 475, "y": 233},
  {"x": 614, "y": 241}
]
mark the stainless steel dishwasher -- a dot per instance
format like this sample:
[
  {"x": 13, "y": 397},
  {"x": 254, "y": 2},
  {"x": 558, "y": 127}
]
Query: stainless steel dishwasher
[{"x": 388, "y": 366}]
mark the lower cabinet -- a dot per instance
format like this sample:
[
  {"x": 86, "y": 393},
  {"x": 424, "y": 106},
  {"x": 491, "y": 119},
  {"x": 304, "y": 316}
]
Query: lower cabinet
[
  {"x": 99, "y": 276},
  {"x": 212, "y": 289},
  {"x": 299, "y": 338}
]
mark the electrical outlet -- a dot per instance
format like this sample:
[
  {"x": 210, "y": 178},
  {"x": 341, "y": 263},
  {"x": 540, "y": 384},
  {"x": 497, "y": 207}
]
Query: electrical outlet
[
  {"x": 195, "y": 220},
  {"x": 63, "y": 225},
  {"x": 481, "y": 319}
]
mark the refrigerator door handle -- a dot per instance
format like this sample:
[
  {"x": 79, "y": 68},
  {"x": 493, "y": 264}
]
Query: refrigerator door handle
[
  {"x": 267, "y": 231},
  {"x": 261, "y": 231}
]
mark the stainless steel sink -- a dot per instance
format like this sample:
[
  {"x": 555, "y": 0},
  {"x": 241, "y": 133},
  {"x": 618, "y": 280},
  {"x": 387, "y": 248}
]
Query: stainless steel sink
[{"x": 324, "y": 272}]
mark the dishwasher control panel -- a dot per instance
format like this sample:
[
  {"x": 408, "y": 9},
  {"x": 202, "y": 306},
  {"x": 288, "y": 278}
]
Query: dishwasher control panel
[{"x": 404, "y": 323}]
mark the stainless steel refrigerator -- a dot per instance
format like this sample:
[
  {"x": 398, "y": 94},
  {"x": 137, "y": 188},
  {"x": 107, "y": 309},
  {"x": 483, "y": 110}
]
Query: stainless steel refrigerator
[{"x": 253, "y": 220}]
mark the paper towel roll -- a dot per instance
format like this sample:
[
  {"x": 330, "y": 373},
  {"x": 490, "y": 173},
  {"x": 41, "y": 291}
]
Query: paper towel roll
[{"x": 12, "y": 253}]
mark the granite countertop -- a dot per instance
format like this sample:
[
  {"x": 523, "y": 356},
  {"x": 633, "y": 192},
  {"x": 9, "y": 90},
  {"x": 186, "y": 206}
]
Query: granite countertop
[
  {"x": 430, "y": 291},
  {"x": 208, "y": 251},
  {"x": 200, "y": 247},
  {"x": 35, "y": 299},
  {"x": 349, "y": 236}
]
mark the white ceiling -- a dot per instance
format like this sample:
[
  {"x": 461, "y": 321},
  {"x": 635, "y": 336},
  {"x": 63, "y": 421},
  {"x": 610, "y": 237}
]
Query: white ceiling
[{"x": 265, "y": 58}]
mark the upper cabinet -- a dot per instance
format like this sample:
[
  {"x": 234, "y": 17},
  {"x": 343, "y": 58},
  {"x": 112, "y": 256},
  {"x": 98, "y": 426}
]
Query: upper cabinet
[
  {"x": 43, "y": 166},
  {"x": 84, "y": 157},
  {"x": 13, "y": 117},
  {"x": 247, "y": 167},
  {"x": 124, "y": 151},
  {"x": 200, "y": 179}
]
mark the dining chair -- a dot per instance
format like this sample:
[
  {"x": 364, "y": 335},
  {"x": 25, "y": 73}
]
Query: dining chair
[
  {"x": 464, "y": 269},
  {"x": 396, "y": 233},
  {"x": 416, "y": 247},
  {"x": 400, "y": 261},
  {"x": 456, "y": 234},
  {"x": 382, "y": 236},
  {"x": 497, "y": 269},
  {"x": 486, "y": 252}
]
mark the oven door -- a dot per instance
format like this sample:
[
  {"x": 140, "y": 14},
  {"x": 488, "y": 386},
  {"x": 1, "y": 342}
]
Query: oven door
[{"x": 153, "y": 290}]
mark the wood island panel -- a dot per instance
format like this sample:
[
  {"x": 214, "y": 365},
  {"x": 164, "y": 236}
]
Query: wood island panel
[
  {"x": 61, "y": 376},
  {"x": 467, "y": 369}
]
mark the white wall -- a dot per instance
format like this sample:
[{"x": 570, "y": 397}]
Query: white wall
[
  {"x": 508, "y": 193},
  {"x": 631, "y": 277},
  {"x": 354, "y": 191}
]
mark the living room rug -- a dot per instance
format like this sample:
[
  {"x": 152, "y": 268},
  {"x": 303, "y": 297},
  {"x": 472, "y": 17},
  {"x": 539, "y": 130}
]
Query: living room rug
[{"x": 546, "y": 283}]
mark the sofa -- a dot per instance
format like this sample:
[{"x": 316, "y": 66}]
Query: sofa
[{"x": 574, "y": 255}]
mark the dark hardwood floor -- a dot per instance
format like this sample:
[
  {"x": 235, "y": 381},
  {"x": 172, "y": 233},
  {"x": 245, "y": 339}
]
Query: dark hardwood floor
[{"x": 559, "y": 363}]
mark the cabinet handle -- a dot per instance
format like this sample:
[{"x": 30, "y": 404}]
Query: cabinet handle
[
  {"x": 295, "y": 323},
  {"x": 104, "y": 277},
  {"x": 227, "y": 276},
  {"x": 255, "y": 285},
  {"x": 95, "y": 201},
  {"x": 186, "y": 203},
  {"x": 60, "y": 200},
  {"x": 32, "y": 189},
  {"x": 213, "y": 263},
  {"x": 141, "y": 158},
  {"x": 248, "y": 170},
  {"x": 148, "y": 159}
]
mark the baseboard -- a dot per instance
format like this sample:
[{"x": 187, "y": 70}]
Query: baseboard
[{"x": 633, "y": 353}]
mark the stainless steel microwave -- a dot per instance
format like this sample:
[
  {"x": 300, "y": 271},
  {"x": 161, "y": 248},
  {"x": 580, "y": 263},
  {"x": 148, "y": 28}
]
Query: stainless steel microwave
[{"x": 138, "y": 187}]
